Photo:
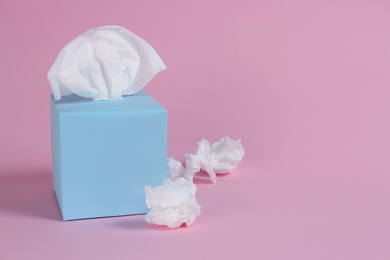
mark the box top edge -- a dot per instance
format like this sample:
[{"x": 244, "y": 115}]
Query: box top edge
[{"x": 140, "y": 101}]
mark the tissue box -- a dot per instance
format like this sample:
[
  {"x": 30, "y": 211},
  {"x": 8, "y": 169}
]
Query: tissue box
[{"x": 105, "y": 152}]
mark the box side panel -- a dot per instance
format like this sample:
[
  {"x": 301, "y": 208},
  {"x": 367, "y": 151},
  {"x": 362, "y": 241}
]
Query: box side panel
[
  {"x": 108, "y": 158},
  {"x": 56, "y": 153},
  {"x": 148, "y": 156}
]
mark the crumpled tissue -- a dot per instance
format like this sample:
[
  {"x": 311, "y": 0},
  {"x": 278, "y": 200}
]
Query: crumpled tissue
[
  {"x": 103, "y": 64},
  {"x": 221, "y": 157},
  {"x": 172, "y": 203},
  {"x": 175, "y": 169}
]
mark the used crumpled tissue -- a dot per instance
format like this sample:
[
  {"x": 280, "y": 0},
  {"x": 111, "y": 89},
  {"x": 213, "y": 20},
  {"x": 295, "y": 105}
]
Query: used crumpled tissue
[
  {"x": 103, "y": 64},
  {"x": 175, "y": 169},
  {"x": 221, "y": 157},
  {"x": 172, "y": 203}
]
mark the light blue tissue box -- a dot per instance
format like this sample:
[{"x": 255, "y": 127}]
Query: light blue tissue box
[{"x": 105, "y": 152}]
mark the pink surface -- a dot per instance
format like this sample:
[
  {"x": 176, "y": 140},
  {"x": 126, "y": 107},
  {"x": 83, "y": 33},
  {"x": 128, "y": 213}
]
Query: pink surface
[{"x": 305, "y": 86}]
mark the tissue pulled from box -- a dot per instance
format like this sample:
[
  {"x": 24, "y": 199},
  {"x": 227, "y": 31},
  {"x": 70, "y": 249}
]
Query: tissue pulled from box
[
  {"x": 175, "y": 169},
  {"x": 172, "y": 203},
  {"x": 221, "y": 157},
  {"x": 103, "y": 64}
]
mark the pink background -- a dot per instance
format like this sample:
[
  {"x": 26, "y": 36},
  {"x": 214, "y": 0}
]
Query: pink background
[{"x": 305, "y": 85}]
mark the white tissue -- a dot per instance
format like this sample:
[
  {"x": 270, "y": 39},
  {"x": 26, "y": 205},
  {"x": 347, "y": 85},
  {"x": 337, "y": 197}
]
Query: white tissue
[
  {"x": 175, "y": 169},
  {"x": 172, "y": 203},
  {"x": 104, "y": 64},
  {"x": 220, "y": 158}
]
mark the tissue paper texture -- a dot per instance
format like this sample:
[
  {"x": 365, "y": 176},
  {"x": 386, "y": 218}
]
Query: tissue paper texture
[
  {"x": 220, "y": 158},
  {"x": 175, "y": 169},
  {"x": 104, "y": 64},
  {"x": 172, "y": 203}
]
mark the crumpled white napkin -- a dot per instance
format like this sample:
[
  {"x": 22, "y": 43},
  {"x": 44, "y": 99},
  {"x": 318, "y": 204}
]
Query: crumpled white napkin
[
  {"x": 103, "y": 64},
  {"x": 221, "y": 157},
  {"x": 172, "y": 203}
]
